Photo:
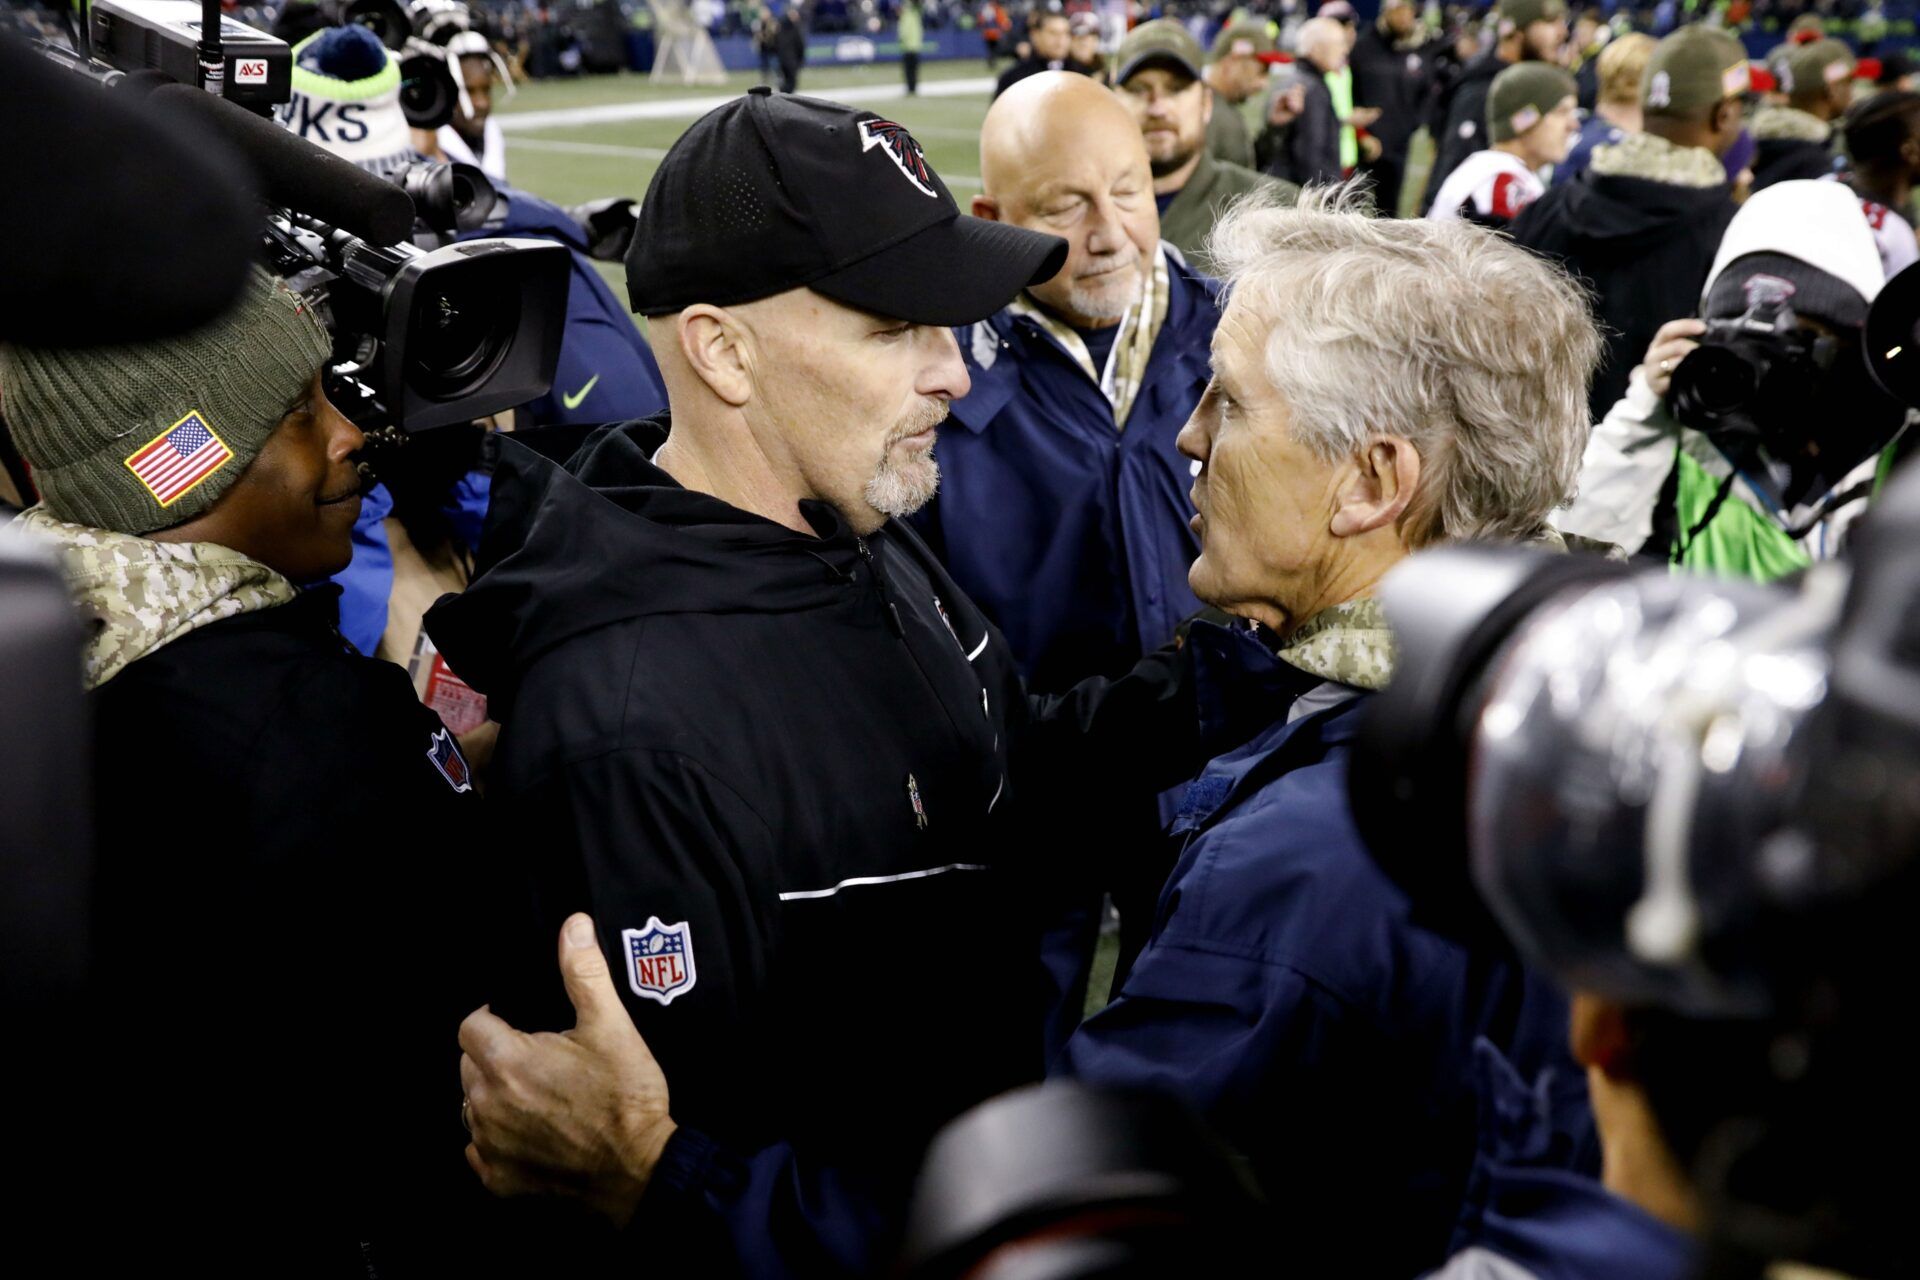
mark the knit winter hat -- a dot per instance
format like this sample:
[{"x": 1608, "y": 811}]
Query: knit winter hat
[
  {"x": 1815, "y": 293},
  {"x": 1692, "y": 70},
  {"x": 346, "y": 99},
  {"x": 1522, "y": 95},
  {"x": 1807, "y": 69},
  {"x": 143, "y": 437},
  {"x": 1517, "y": 15}
]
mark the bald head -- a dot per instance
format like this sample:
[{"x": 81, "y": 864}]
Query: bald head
[
  {"x": 1059, "y": 153},
  {"x": 1032, "y": 125},
  {"x": 1324, "y": 43}
]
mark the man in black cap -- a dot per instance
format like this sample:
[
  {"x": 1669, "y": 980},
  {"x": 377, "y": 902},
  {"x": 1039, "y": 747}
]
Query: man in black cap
[{"x": 752, "y": 727}]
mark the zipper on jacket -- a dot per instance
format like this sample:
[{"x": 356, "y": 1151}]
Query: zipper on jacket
[{"x": 880, "y": 584}]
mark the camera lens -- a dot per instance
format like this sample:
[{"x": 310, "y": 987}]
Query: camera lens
[
  {"x": 461, "y": 330},
  {"x": 427, "y": 92},
  {"x": 1713, "y": 382}
]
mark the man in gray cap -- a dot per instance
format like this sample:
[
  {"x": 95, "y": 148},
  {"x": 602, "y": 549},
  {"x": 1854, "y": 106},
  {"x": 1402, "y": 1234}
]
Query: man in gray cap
[
  {"x": 1796, "y": 140},
  {"x": 1642, "y": 222},
  {"x": 1236, "y": 71},
  {"x": 1526, "y": 31},
  {"x": 1158, "y": 78}
]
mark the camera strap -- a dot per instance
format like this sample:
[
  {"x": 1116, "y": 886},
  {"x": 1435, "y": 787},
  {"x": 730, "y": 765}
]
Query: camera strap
[{"x": 1681, "y": 545}]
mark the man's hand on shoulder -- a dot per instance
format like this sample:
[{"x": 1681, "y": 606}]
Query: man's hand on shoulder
[{"x": 581, "y": 1113}]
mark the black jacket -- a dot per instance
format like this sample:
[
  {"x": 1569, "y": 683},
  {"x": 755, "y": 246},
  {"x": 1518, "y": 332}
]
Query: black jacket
[
  {"x": 1784, "y": 159},
  {"x": 1463, "y": 120},
  {"x": 801, "y": 749},
  {"x": 1395, "y": 80},
  {"x": 1033, "y": 66},
  {"x": 282, "y": 949},
  {"x": 1643, "y": 247},
  {"x": 1308, "y": 150},
  {"x": 790, "y": 43}
]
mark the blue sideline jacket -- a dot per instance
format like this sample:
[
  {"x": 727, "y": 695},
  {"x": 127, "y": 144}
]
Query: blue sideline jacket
[
  {"x": 1070, "y": 535},
  {"x": 1288, "y": 996}
]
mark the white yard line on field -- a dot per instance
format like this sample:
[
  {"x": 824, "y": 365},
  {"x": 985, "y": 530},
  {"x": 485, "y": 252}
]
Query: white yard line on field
[
  {"x": 966, "y": 180},
  {"x": 679, "y": 108}
]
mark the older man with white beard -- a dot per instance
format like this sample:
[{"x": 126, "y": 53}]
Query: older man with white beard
[{"x": 1063, "y": 503}]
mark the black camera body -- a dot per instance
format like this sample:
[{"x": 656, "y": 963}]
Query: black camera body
[
  {"x": 165, "y": 36},
  {"x": 1751, "y": 374},
  {"x": 1694, "y": 797}
]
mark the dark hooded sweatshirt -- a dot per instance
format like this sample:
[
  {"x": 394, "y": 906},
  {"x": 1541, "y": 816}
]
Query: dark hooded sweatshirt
[
  {"x": 1786, "y": 159},
  {"x": 794, "y": 755},
  {"x": 1643, "y": 247}
]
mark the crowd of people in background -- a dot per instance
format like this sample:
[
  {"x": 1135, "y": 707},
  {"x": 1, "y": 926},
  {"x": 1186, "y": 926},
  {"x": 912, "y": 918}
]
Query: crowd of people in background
[{"x": 1252, "y": 304}]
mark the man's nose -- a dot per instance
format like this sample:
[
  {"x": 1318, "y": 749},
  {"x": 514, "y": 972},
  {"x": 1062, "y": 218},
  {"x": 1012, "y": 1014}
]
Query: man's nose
[{"x": 946, "y": 377}]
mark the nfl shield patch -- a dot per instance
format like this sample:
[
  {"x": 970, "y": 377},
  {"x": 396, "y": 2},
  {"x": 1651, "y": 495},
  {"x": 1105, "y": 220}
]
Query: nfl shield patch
[
  {"x": 659, "y": 959},
  {"x": 444, "y": 752}
]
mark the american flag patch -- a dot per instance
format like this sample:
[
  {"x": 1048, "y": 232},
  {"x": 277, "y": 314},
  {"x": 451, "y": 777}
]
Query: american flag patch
[{"x": 179, "y": 458}]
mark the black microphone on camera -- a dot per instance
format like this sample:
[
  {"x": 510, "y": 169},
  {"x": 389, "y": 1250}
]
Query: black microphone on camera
[{"x": 295, "y": 173}]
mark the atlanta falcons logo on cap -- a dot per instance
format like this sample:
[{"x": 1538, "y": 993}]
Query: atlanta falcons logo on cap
[{"x": 901, "y": 149}]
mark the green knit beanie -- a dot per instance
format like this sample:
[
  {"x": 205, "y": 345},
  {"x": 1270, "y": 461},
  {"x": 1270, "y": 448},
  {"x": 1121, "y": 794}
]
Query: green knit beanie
[
  {"x": 139, "y": 438},
  {"x": 1522, "y": 95}
]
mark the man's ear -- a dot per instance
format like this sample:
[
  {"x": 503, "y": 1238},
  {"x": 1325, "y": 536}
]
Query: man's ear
[
  {"x": 716, "y": 346},
  {"x": 1206, "y": 109},
  {"x": 986, "y": 207},
  {"x": 1376, "y": 486},
  {"x": 1600, "y": 1036}
]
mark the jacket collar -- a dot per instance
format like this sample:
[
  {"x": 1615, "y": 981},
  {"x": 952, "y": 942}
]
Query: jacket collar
[{"x": 1002, "y": 348}]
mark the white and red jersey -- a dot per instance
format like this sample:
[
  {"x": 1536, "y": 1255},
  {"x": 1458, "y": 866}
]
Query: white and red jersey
[
  {"x": 1488, "y": 186},
  {"x": 1892, "y": 236}
]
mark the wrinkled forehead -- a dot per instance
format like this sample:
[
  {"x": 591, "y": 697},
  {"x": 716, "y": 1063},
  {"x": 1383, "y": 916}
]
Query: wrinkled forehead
[{"x": 1078, "y": 157}]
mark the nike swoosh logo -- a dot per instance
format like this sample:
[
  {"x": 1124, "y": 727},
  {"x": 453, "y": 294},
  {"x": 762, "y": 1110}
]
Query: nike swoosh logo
[{"x": 573, "y": 401}]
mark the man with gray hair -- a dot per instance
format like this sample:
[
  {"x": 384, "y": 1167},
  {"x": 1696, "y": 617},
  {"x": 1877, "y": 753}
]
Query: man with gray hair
[{"x": 1378, "y": 386}]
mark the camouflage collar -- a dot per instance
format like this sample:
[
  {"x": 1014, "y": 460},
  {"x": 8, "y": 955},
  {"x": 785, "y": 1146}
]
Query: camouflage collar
[
  {"x": 1348, "y": 644},
  {"x": 1773, "y": 123},
  {"x": 139, "y": 594},
  {"x": 1643, "y": 155}
]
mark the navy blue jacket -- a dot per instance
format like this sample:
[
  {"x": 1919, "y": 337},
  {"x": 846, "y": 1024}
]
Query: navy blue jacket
[
  {"x": 606, "y": 373},
  {"x": 1541, "y": 1220},
  {"x": 1286, "y": 993},
  {"x": 1072, "y": 536}
]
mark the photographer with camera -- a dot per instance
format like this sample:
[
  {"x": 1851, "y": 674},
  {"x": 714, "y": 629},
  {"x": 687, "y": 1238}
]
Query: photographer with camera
[
  {"x": 190, "y": 485},
  {"x": 1378, "y": 385},
  {"x": 1750, "y": 439}
]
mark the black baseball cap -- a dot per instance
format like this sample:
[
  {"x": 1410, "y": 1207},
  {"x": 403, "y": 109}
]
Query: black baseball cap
[{"x": 772, "y": 192}]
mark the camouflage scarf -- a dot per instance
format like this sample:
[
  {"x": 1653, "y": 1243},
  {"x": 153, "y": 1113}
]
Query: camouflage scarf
[
  {"x": 1132, "y": 346},
  {"x": 1348, "y": 644},
  {"x": 139, "y": 594},
  {"x": 1642, "y": 155},
  {"x": 1771, "y": 123}
]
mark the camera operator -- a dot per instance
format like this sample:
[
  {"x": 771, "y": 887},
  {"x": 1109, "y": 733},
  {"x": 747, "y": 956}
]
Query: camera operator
[
  {"x": 474, "y": 137},
  {"x": 1749, "y": 440},
  {"x": 1378, "y": 385},
  {"x": 346, "y": 100},
  {"x": 244, "y": 945}
]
